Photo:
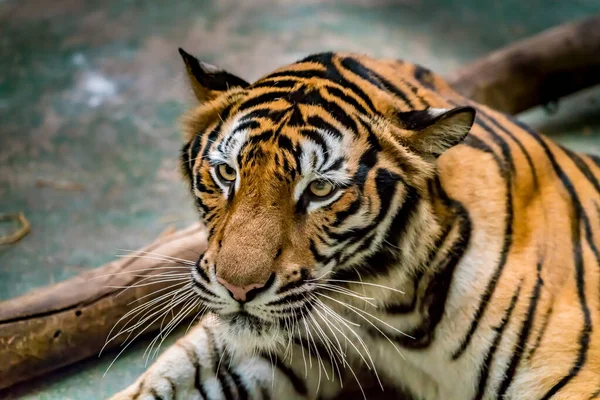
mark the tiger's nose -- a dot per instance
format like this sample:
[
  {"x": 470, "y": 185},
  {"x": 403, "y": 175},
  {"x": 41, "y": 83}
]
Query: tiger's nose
[{"x": 242, "y": 293}]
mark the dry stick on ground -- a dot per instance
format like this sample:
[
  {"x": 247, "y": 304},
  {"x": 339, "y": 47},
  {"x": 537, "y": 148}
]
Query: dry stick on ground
[
  {"x": 536, "y": 70},
  {"x": 64, "y": 323},
  {"x": 20, "y": 233}
]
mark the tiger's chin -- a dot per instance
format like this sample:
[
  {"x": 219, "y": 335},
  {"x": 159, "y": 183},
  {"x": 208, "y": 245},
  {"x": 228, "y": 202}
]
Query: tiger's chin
[{"x": 249, "y": 334}]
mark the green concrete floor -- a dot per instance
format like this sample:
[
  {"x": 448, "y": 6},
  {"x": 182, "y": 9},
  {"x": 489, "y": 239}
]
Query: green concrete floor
[{"x": 90, "y": 92}]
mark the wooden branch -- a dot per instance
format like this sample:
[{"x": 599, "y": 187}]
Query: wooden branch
[
  {"x": 535, "y": 71},
  {"x": 67, "y": 322}
]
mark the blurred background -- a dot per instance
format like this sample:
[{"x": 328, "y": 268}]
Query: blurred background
[{"x": 90, "y": 94}]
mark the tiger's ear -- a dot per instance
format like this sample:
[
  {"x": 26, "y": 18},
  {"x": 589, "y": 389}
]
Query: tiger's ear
[
  {"x": 208, "y": 81},
  {"x": 435, "y": 130}
]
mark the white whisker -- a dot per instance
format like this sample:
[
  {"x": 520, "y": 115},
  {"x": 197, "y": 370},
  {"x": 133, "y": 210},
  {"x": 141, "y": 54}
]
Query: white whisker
[
  {"x": 356, "y": 311},
  {"x": 153, "y": 293},
  {"x": 140, "y": 270},
  {"x": 138, "y": 309},
  {"x": 164, "y": 259},
  {"x": 365, "y": 283},
  {"x": 129, "y": 343}
]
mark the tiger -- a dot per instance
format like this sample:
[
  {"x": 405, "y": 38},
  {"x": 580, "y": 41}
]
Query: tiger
[{"x": 368, "y": 225}]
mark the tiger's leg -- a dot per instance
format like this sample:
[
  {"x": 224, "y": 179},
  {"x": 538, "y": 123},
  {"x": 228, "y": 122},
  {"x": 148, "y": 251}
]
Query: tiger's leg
[{"x": 199, "y": 366}]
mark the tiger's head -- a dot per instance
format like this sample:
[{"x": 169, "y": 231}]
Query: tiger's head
[{"x": 314, "y": 173}]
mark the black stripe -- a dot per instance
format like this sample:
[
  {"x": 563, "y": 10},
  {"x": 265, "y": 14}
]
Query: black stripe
[
  {"x": 244, "y": 124},
  {"x": 507, "y": 242},
  {"x": 314, "y": 97},
  {"x": 438, "y": 288},
  {"x": 138, "y": 391},
  {"x": 436, "y": 294},
  {"x": 517, "y": 141},
  {"x": 333, "y": 75},
  {"x": 367, "y": 161},
  {"x": 226, "y": 385},
  {"x": 258, "y": 113},
  {"x": 194, "y": 150},
  {"x": 193, "y": 358},
  {"x": 288, "y": 298},
  {"x": 155, "y": 394},
  {"x": 296, "y": 118},
  {"x": 307, "y": 73},
  {"x": 579, "y": 215},
  {"x": 405, "y": 308},
  {"x": 224, "y": 114},
  {"x": 264, "y": 392},
  {"x": 184, "y": 158},
  {"x": 258, "y": 138},
  {"x": 242, "y": 391},
  {"x": 336, "y": 165},
  {"x": 484, "y": 371},
  {"x": 367, "y": 242},
  {"x": 523, "y": 335},
  {"x": 206, "y": 298},
  {"x": 201, "y": 187},
  {"x": 201, "y": 272},
  {"x": 212, "y": 136},
  {"x": 583, "y": 168},
  {"x": 198, "y": 380},
  {"x": 501, "y": 143},
  {"x": 424, "y": 77},
  {"x": 298, "y": 384},
  {"x": 285, "y": 143},
  {"x": 375, "y": 79},
  {"x": 595, "y": 159},
  {"x": 304, "y": 275},
  {"x": 315, "y": 252},
  {"x": 316, "y": 137},
  {"x": 386, "y": 183},
  {"x": 415, "y": 91},
  {"x": 371, "y": 137},
  {"x": 319, "y": 122},
  {"x": 382, "y": 261},
  {"x": 275, "y": 83},
  {"x": 540, "y": 335},
  {"x": 202, "y": 208},
  {"x": 341, "y": 216},
  {"x": 263, "y": 98},
  {"x": 476, "y": 143},
  {"x": 344, "y": 97},
  {"x": 324, "y": 58},
  {"x": 220, "y": 373}
]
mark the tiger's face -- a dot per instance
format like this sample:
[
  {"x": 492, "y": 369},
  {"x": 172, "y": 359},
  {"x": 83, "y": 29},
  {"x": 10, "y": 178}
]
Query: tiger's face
[{"x": 304, "y": 177}]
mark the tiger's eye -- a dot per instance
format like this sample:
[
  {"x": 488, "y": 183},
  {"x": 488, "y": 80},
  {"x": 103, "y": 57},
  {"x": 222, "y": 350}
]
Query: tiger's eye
[
  {"x": 226, "y": 172},
  {"x": 321, "y": 188}
]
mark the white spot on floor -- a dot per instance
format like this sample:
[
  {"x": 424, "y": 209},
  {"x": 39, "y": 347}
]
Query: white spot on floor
[{"x": 98, "y": 88}]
